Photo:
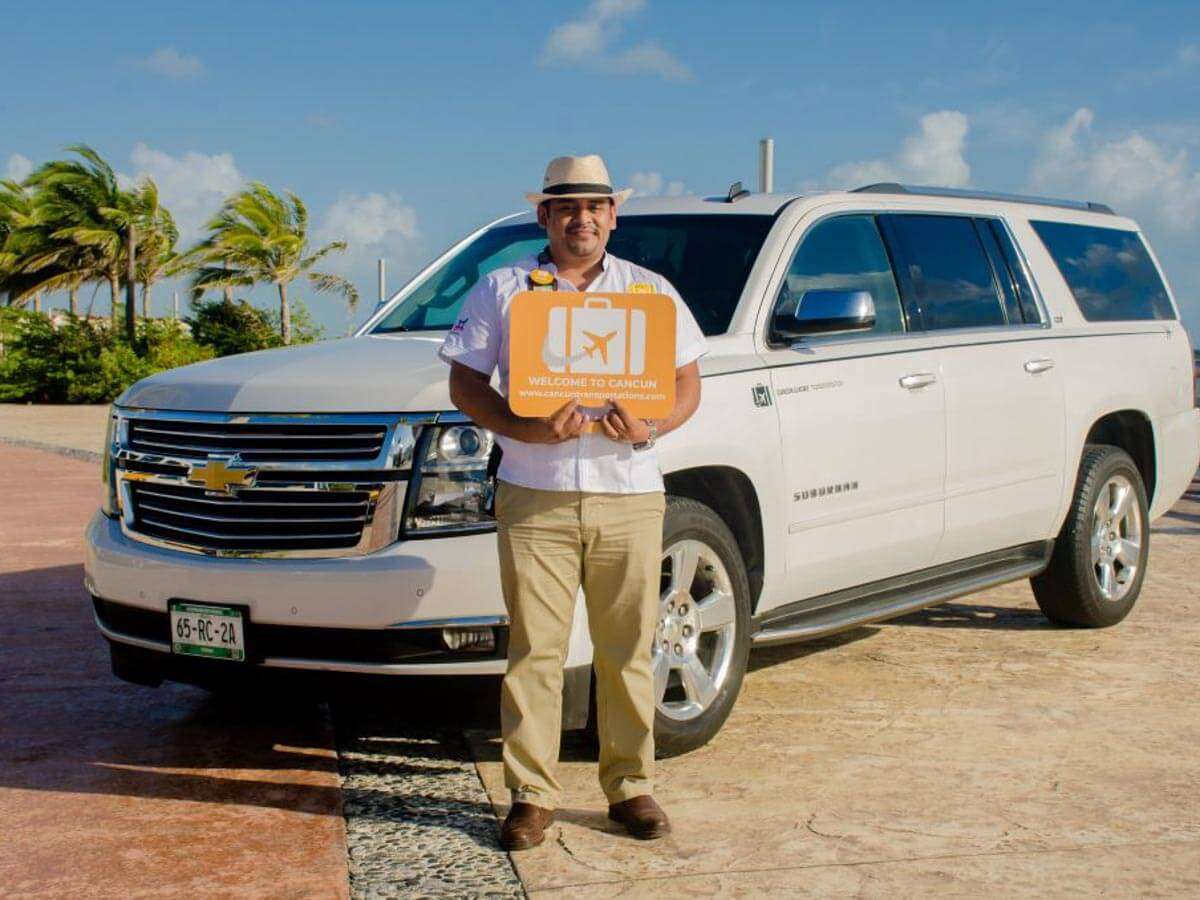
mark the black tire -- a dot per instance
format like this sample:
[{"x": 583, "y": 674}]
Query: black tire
[
  {"x": 1069, "y": 591},
  {"x": 690, "y": 519}
]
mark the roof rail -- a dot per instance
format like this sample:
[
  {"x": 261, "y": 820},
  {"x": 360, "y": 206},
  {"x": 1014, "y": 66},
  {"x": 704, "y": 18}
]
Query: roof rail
[{"x": 891, "y": 187}]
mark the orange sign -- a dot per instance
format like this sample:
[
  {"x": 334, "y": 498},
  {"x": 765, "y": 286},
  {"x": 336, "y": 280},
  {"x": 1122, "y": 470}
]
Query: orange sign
[{"x": 594, "y": 348}]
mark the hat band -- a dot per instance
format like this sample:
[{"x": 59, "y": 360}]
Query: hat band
[{"x": 578, "y": 187}]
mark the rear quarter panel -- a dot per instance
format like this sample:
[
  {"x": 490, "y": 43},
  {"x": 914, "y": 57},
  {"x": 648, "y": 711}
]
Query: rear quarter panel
[{"x": 1109, "y": 367}]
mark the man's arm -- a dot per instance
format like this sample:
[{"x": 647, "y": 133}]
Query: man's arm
[
  {"x": 621, "y": 425},
  {"x": 471, "y": 391}
]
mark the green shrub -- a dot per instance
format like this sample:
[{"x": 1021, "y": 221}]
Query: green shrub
[
  {"x": 85, "y": 362},
  {"x": 232, "y": 327},
  {"x": 238, "y": 327},
  {"x": 82, "y": 362},
  {"x": 304, "y": 329}
]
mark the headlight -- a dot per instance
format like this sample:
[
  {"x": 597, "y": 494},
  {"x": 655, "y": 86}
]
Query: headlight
[
  {"x": 108, "y": 482},
  {"x": 450, "y": 489}
]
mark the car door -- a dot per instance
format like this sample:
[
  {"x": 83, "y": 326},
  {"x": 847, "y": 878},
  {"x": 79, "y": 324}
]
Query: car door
[
  {"x": 862, "y": 423},
  {"x": 963, "y": 283}
]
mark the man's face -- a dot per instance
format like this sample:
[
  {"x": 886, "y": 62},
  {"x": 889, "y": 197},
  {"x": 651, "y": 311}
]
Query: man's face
[{"x": 579, "y": 226}]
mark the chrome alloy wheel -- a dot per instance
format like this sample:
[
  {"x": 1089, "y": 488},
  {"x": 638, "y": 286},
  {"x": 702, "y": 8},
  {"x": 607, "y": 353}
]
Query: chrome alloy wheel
[
  {"x": 693, "y": 642},
  {"x": 1116, "y": 538}
]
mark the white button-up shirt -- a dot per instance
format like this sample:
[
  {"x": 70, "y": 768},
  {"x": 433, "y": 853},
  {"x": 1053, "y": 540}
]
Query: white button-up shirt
[{"x": 593, "y": 461}]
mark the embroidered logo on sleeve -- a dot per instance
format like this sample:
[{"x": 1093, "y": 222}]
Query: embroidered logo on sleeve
[
  {"x": 460, "y": 325},
  {"x": 641, "y": 287}
]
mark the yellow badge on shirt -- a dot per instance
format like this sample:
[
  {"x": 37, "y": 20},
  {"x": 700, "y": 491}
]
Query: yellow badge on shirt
[
  {"x": 641, "y": 287},
  {"x": 541, "y": 276}
]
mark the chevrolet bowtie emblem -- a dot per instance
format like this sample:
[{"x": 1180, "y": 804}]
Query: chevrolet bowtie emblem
[{"x": 224, "y": 474}]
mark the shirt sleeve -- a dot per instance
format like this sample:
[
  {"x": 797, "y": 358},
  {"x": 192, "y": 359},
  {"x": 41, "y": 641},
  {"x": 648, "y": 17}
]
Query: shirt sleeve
[
  {"x": 474, "y": 340},
  {"x": 689, "y": 339}
]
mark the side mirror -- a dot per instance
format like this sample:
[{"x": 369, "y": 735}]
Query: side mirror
[{"x": 824, "y": 312}]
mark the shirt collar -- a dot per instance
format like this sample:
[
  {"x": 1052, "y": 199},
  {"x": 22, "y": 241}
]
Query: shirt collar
[{"x": 551, "y": 266}]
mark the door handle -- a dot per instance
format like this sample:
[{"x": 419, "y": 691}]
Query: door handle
[
  {"x": 917, "y": 380},
  {"x": 1034, "y": 366}
]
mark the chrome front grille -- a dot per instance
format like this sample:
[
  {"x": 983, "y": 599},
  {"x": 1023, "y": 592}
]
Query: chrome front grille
[
  {"x": 257, "y": 442},
  {"x": 264, "y": 484},
  {"x": 254, "y": 520}
]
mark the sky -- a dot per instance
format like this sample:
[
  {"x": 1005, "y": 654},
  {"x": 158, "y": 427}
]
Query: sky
[{"x": 403, "y": 125}]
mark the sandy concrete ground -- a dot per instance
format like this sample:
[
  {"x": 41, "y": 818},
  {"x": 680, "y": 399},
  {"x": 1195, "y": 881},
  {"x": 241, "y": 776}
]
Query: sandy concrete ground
[
  {"x": 48, "y": 426},
  {"x": 970, "y": 749},
  {"x": 112, "y": 790}
]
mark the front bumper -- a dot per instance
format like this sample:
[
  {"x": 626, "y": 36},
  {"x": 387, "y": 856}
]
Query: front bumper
[
  {"x": 315, "y": 607},
  {"x": 431, "y": 583}
]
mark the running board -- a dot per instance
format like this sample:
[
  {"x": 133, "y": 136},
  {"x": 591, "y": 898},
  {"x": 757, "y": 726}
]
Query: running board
[{"x": 820, "y": 616}]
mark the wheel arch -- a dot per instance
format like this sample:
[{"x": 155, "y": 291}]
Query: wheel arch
[
  {"x": 730, "y": 493},
  {"x": 1132, "y": 431}
]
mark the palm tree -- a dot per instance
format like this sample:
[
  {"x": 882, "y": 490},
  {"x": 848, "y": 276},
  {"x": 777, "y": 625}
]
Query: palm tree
[
  {"x": 32, "y": 259},
  {"x": 260, "y": 237},
  {"x": 16, "y": 215},
  {"x": 157, "y": 257},
  {"x": 91, "y": 209}
]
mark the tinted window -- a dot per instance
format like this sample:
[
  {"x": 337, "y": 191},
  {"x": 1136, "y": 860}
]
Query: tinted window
[
  {"x": 1008, "y": 290},
  {"x": 1029, "y": 307},
  {"x": 1108, "y": 270},
  {"x": 706, "y": 257},
  {"x": 846, "y": 254},
  {"x": 949, "y": 277}
]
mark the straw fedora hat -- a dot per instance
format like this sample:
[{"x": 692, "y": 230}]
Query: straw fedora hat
[{"x": 578, "y": 176}]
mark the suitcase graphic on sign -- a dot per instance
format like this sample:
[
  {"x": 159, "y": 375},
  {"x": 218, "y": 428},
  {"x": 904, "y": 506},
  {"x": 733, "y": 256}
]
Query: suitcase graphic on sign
[{"x": 595, "y": 339}]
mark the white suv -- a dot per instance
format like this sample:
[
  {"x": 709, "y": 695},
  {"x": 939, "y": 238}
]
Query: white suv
[{"x": 910, "y": 394}]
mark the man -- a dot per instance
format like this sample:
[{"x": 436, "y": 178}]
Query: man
[{"x": 575, "y": 506}]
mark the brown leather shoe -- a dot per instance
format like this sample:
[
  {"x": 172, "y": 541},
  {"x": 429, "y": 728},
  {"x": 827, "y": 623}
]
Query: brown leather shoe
[
  {"x": 641, "y": 816},
  {"x": 524, "y": 826}
]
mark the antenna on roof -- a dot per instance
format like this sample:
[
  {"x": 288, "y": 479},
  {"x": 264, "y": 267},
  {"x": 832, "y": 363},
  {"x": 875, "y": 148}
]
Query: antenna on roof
[{"x": 736, "y": 193}]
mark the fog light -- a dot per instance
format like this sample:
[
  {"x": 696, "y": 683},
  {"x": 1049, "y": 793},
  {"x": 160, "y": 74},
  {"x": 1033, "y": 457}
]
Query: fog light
[{"x": 475, "y": 640}]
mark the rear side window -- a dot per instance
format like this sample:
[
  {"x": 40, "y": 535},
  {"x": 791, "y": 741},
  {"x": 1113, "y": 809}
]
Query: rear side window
[
  {"x": 845, "y": 253},
  {"x": 1108, "y": 271},
  {"x": 1029, "y": 308},
  {"x": 947, "y": 273}
]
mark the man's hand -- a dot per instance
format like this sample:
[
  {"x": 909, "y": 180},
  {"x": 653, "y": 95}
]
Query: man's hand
[
  {"x": 564, "y": 424},
  {"x": 620, "y": 425}
]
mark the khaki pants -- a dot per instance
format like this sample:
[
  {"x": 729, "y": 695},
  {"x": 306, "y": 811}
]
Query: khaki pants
[{"x": 551, "y": 542}]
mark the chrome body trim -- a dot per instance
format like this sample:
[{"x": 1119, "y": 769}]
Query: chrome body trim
[{"x": 455, "y": 622}]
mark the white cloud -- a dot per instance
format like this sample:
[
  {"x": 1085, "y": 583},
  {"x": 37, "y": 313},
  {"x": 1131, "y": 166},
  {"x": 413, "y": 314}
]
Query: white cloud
[
  {"x": 652, "y": 184},
  {"x": 170, "y": 62},
  {"x": 320, "y": 120},
  {"x": 193, "y": 186},
  {"x": 369, "y": 221},
  {"x": 1189, "y": 54},
  {"x": 650, "y": 58},
  {"x": 586, "y": 41},
  {"x": 934, "y": 154},
  {"x": 18, "y": 168},
  {"x": 1133, "y": 173}
]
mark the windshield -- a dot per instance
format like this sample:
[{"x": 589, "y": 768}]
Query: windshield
[{"x": 706, "y": 257}]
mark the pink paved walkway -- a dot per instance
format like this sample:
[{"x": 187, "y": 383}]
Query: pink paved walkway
[{"x": 112, "y": 790}]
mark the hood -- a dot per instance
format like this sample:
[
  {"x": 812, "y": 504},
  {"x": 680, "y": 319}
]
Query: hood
[{"x": 372, "y": 373}]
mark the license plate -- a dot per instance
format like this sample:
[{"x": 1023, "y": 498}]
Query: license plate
[{"x": 214, "y": 632}]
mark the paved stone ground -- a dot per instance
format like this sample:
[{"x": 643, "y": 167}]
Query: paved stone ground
[
  {"x": 113, "y": 790},
  {"x": 46, "y": 426},
  {"x": 971, "y": 749},
  {"x": 968, "y": 749},
  {"x": 418, "y": 821}
]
